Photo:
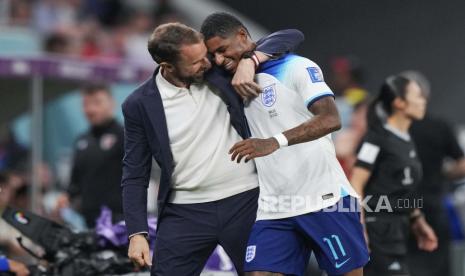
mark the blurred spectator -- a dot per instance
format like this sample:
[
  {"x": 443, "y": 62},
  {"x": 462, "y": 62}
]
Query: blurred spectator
[
  {"x": 108, "y": 31},
  {"x": 57, "y": 43},
  {"x": 8, "y": 234},
  {"x": 435, "y": 141},
  {"x": 12, "y": 155},
  {"x": 21, "y": 13},
  {"x": 96, "y": 173},
  {"x": 348, "y": 139},
  {"x": 140, "y": 27},
  {"x": 108, "y": 12},
  {"x": 91, "y": 35},
  {"x": 165, "y": 13},
  {"x": 346, "y": 79},
  {"x": 53, "y": 15},
  {"x": 20, "y": 182}
]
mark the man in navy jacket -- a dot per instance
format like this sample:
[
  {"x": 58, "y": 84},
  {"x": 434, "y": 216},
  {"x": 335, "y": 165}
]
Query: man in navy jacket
[{"x": 186, "y": 117}]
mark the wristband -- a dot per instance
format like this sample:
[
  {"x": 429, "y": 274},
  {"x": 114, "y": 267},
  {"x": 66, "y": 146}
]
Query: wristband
[
  {"x": 253, "y": 57},
  {"x": 282, "y": 140},
  {"x": 4, "y": 265},
  {"x": 256, "y": 60}
]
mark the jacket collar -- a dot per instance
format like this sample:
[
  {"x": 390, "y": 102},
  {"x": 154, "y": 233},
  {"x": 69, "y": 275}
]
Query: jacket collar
[{"x": 153, "y": 105}]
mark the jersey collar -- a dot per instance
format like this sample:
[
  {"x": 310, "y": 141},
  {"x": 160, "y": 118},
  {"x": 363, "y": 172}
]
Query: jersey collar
[{"x": 402, "y": 135}]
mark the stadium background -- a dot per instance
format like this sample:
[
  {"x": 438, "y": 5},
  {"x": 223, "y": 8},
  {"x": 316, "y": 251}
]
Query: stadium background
[{"x": 40, "y": 115}]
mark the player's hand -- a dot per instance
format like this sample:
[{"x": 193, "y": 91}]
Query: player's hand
[
  {"x": 243, "y": 80},
  {"x": 252, "y": 148},
  {"x": 19, "y": 269},
  {"x": 139, "y": 251},
  {"x": 426, "y": 238}
]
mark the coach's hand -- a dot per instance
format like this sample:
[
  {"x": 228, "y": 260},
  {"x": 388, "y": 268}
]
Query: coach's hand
[
  {"x": 243, "y": 80},
  {"x": 252, "y": 148},
  {"x": 139, "y": 251}
]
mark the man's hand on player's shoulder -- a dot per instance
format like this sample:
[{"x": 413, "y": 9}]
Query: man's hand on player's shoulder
[{"x": 252, "y": 148}]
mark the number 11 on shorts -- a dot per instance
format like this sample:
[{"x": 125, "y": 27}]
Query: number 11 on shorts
[{"x": 331, "y": 246}]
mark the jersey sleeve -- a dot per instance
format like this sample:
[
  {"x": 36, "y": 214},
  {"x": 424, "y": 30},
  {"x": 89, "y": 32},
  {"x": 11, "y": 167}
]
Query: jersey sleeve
[
  {"x": 368, "y": 152},
  {"x": 308, "y": 81}
]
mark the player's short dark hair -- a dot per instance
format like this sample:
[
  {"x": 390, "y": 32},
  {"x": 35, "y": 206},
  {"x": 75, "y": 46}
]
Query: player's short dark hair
[
  {"x": 94, "y": 87},
  {"x": 167, "y": 39},
  {"x": 221, "y": 24}
]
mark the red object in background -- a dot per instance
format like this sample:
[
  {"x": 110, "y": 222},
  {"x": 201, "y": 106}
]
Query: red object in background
[
  {"x": 90, "y": 51},
  {"x": 345, "y": 167}
]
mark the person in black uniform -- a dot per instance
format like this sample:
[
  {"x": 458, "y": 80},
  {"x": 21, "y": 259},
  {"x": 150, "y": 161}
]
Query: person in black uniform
[
  {"x": 387, "y": 172},
  {"x": 97, "y": 167},
  {"x": 435, "y": 140}
]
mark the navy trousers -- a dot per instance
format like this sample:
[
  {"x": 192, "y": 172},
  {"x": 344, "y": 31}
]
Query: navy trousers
[{"x": 188, "y": 234}]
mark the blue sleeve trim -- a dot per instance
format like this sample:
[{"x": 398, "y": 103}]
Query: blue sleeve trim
[
  {"x": 315, "y": 98},
  {"x": 344, "y": 193},
  {"x": 4, "y": 265}
]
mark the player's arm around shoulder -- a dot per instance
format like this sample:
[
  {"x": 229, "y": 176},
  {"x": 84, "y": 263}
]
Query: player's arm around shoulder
[
  {"x": 325, "y": 120},
  {"x": 271, "y": 46}
]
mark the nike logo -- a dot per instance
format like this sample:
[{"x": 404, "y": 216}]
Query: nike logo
[{"x": 341, "y": 264}]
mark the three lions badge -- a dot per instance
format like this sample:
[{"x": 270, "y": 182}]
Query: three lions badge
[
  {"x": 269, "y": 95},
  {"x": 250, "y": 253}
]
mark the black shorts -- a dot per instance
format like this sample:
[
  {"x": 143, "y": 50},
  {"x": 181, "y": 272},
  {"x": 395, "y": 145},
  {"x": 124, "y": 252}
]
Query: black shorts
[{"x": 388, "y": 240}]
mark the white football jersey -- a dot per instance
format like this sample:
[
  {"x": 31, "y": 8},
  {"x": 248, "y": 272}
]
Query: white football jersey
[{"x": 301, "y": 178}]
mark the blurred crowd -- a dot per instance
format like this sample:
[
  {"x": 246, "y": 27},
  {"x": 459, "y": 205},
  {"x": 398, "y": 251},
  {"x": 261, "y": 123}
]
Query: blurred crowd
[{"x": 106, "y": 31}]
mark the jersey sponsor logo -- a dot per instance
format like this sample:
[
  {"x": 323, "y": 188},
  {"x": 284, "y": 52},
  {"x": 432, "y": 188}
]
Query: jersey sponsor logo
[
  {"x": 82, "y": 144},
  {"x": 269, "y": 95},
  {"x": 315, "y": 74},
  {"x": 368, "y": 153},
  {"x": 250, "y": 253},
  {"x": 107, "y": 141}
]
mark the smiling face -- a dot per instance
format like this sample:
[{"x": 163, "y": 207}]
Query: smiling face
[
  {"x": 228, "y": 51},
  {"x": 192, "y": 62}
]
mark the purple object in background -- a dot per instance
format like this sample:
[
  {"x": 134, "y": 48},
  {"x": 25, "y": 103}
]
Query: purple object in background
[
  {"x": 115, "y": 235},
  {"x": 72, "y": 69}
]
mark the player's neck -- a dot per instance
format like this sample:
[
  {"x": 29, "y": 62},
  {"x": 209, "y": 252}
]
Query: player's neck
[{"x": 399, "y": 122}]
